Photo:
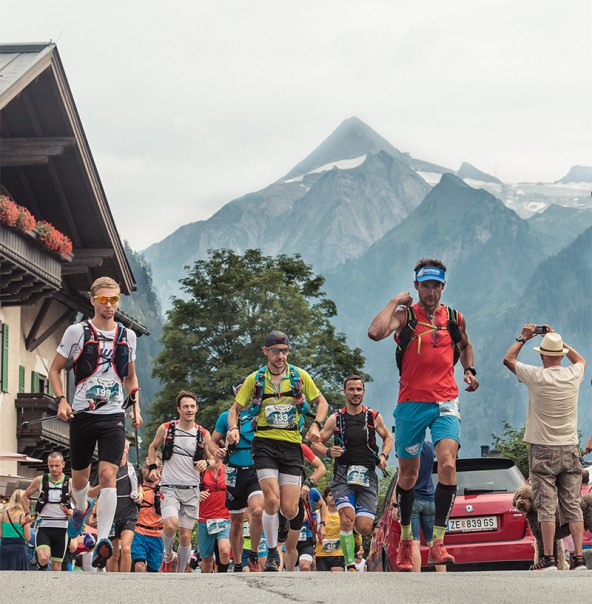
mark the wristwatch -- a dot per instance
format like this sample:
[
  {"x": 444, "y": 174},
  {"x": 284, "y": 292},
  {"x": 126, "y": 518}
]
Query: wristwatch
[
  {"x": 385, "y": 455},
  {"x": 472, "y": 370},
  {"x": 520, "y": 339},
  {"x": 319, "y": 423},
  {"x": 57, "y": 399}
]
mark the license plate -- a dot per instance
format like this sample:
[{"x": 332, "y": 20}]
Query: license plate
[{"x": 468, "y": 525}]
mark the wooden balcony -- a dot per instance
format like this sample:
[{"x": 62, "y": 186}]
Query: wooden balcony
[{"x": 28, "y": 271}]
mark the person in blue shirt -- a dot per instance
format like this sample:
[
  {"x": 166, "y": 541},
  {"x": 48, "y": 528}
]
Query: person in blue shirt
[
  {"x": 242, "y": 486},
  {"x": 423, "y": 513}
]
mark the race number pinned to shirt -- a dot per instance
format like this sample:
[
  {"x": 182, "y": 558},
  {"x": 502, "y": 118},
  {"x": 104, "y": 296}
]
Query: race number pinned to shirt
[
  {"x": 280, "y": 416},
  {"x": 358, "y": 475},
  {"x": 216, "y": 525},
  {"x": 331, "y": 545},
  {"x": 97, "y": 387},
  {"x": 449, "y": 408},
  {"x": 231, "y": 474}
]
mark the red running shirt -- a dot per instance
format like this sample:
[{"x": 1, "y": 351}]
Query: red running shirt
[{"x": 214, "y": 507}]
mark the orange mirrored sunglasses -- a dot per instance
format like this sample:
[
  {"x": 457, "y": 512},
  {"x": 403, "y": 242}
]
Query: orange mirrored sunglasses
[{"x": 105, "y": 299}]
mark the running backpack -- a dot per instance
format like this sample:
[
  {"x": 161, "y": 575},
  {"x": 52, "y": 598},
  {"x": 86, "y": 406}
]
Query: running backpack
[
  {"x": 407, "y": 334},
  {"x": 370, "y": 425},
  {"x": 169, "y": 441},
  {"x": 87, "y": 362},
  {"x": 44, "y": 493}
]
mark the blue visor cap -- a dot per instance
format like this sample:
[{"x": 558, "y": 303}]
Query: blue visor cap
[{"x": 433, "y": 273}]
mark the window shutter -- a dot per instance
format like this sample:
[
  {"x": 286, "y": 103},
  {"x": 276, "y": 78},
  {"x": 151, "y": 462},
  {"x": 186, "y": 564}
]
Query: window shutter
[
  {"x": 21, "y": 387},
  {"x": 34, "y": 381},
  {"x": 4, "y": 357}
]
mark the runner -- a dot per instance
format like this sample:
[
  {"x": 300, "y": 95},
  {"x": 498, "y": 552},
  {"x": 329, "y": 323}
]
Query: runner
[
  {"x": 53, "y": 512},
  {"x": 214, "y": 520},
  {"x": 311, "y": 531},
  {"x": 355, "y": 484},
  {"x": 242, "y": 487},
  {"x": 277, "y": 396},
  {"x": 185, "y": 443},
  {"x": 147, "y": 545},
  {"x": 297, "y": 533},
  {"x": 129, "y": 496},
  {"x": 261, "y": 551},
  {"x": 104, "y": 355}
]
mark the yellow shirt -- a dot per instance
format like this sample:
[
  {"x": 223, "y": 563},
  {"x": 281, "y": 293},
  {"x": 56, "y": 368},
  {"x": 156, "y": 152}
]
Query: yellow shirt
[
  {"x": 280, "y": 405},
  {"x": 330, "y": 545}
]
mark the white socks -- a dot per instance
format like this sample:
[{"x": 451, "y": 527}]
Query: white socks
[
  {"x": 183, "y": 554},
  {"x": 271, "y": 523},
  {"x": 168, "y": 543},
  {"x": 106, "y": 512},
  {"x": 80, "y": 498}
]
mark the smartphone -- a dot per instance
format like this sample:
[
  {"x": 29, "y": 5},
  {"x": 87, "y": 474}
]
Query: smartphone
[{"x": 540, "y": 329}]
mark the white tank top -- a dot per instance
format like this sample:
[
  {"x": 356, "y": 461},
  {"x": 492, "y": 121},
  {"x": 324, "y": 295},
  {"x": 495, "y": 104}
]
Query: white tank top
[{"x": 179, "y": 469}]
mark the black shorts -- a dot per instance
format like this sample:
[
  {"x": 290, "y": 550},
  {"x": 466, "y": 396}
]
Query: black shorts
[
  {"x": 279, "y": 455},
  {"x": 305, "y": 547},
  {"x": 326, "y": 563},
  {"x": 237, "y": 497},
  {"x": 54, "y": 538},
  {"x": 125, "y": 524},
  {"x": 88, "y": 429}
]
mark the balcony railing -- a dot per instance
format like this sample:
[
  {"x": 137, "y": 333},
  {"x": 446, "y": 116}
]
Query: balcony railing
[{"x": 29, "y": 272}]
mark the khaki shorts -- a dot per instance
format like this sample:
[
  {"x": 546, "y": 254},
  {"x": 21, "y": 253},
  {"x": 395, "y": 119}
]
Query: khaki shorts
[
  {"x": 556, "y": 478},
  {"x": 180, "y": 502}
]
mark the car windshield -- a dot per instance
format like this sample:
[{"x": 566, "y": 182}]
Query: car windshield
[{"x": 494, "y": 480}]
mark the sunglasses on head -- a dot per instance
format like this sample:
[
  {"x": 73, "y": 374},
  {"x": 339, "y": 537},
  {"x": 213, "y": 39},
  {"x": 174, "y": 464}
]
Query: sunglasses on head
[{"x": 105, "y": 299}]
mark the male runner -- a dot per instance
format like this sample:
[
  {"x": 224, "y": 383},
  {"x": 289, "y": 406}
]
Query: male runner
[
  {"x": 104, "y": 355},
  {"x": 242, "y": 487},
  {"x": 430, "y": 339},
  {"x": 53, "y": 512},
  {"x": 277, "y": 395},
  {"x": 183, "y": 455},
  {"x": 355, "y": 484}
]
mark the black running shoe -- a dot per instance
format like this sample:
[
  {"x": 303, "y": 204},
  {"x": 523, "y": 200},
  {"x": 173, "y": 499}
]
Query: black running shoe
[
  {"x": 545, "y": 563},
  {"x": 273, "y": 563},
  {"x": 103, "y": 551}
]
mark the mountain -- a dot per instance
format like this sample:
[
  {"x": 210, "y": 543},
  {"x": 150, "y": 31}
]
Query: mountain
[
  {"x": 345, "y": 196},
  {"x": 469, "y": 172},
  {"x": 490, "y": 253},
  {"x": 559, "y": 225},
  {"x": 578, "y": 174}
]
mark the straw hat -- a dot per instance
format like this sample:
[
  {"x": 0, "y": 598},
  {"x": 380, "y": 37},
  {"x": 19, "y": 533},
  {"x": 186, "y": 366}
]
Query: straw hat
[{"x": 552, "y": 345}]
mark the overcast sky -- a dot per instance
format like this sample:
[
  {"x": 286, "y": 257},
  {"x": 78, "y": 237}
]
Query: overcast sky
[{"x": 189, "y": 104}]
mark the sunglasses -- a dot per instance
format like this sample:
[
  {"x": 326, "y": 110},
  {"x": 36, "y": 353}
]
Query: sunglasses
[
  {"x": 105, "y": 299},
  {"x": 276, "y": 351}
]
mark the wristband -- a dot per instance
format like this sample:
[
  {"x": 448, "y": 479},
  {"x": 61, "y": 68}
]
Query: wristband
[
  {"x": 233, "y": 428},
  {"x": 520, "y": 339},
  {"x": 152, "y": 466},
  {"x": 319, "y": 423},
  {"x": 322, "y": 522},
  {"x": 308, "y": 483},
  {"x": 472, "y": 370},
  {"x": 328, "y": 454},
  {"x": 57, "y": 399},
  {"x": 385, "y": 455}
]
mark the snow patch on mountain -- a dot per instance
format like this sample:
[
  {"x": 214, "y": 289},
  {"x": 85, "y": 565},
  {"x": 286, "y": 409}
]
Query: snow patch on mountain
[{"x": 342, "y": 164}]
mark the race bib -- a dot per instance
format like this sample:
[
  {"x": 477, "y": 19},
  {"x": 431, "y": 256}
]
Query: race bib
[
  {"x": 246, "y": 530},
  {"x": 449, "y": 408},
  {"x": 215, "y": 525},
  {"x": 331, "y": 545},
  {"x": 280, "y": 416},
  {"x": 109, "y": 389},
  {"x": 262, "y": 549},
  {"x": 358, "y": 475},
  {"x": 231, "y": 474},
  {"x": 303, "y": 534}
]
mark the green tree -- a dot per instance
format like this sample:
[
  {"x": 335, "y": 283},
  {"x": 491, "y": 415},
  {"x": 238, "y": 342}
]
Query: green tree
[
  {"x": 213, "y": 337},
  {"x": 511, "y": 444}
]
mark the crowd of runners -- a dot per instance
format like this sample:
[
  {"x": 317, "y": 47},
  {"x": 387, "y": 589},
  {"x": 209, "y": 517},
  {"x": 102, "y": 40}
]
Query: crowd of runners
[{"x": 250, "y": 485}]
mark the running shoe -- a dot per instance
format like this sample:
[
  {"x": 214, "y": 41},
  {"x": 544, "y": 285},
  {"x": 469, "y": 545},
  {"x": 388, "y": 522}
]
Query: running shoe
[
  {"x": 167, "y": 564},
  {"x": 254, "y": 565},
  {"x": 438, "y": 554},
  {"x": 273, "y": 563},
  {"x": 237, "y": 568},
  {"x": 577, "y": 563},
  {"x": 405, "y": 555},
  {"x": 78, "y": 518},
  {"x": 351, "y": 568},
  {"x": 545, "y": 563},
  {"x": 103, "y": 551}
]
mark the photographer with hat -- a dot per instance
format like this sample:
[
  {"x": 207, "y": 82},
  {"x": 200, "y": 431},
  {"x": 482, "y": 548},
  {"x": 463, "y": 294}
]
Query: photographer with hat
[{"x": 552, "y": 432}]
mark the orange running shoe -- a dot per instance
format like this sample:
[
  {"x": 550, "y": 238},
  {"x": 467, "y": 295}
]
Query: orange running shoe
[
  {"x": 405, "y": 555},
  {"x": 167, "y": 564},
  {"x": 438, "y": 554}
]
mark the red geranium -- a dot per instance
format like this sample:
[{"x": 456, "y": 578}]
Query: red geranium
[
  {"x": 53, "y": 239},
  {"x": 9, "y": 211}
]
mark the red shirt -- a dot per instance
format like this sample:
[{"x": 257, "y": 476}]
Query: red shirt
[
  {"x": 427, "y": 372},
  {"x": 308, "y": 454},
  {"x": 214, "y": 506}
]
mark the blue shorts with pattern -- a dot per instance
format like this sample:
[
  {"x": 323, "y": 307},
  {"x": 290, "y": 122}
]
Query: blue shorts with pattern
[
  {"x": 413, "y": 419},
  {"x": 207, "y": 542}
]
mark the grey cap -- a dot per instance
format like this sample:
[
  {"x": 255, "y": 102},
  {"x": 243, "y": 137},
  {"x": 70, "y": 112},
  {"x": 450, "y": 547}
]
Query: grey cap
[{"x": 276, "y": 337}]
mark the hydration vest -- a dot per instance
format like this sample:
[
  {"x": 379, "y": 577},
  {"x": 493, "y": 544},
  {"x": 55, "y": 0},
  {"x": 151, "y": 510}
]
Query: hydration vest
[
  {"x": 369, "y": 424},
  {"x": 169, "y": 441},
  {"x": 43, "y": 498},
  {"x": 87, "y": 362},
  {"x": 407, "y": 334},
  {"x": 259, "y": 395}
]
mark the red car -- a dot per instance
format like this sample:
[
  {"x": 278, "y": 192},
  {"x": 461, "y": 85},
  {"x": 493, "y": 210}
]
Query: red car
[{"x": 485, "y": 530}]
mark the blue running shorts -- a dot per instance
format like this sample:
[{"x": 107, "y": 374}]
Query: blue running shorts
[{"x": 148, "y": 549}]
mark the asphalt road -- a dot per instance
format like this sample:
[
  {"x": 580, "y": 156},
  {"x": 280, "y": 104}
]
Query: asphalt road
[{"x": 516, "y": 587}]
